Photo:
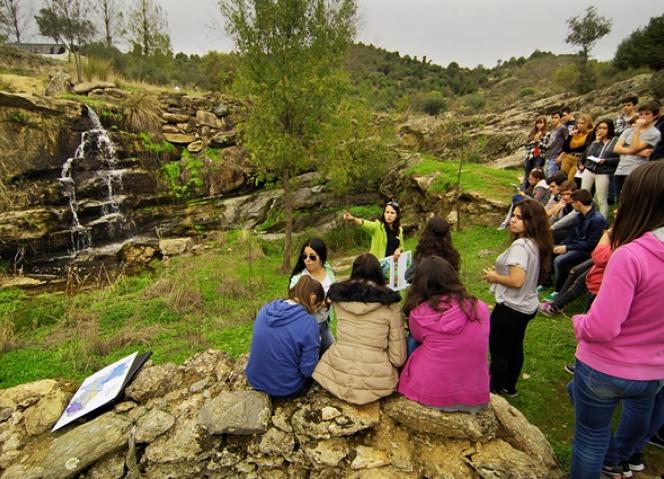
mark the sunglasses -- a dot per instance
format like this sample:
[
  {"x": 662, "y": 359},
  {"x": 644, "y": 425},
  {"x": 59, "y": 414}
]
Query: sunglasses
[
  {"x": 312, "y": 257},
  {"x": 392, "y": 203}
]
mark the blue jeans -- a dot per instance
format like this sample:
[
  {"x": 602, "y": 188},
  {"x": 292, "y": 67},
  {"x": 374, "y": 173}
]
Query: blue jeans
[
  {"x": 595, "y": 396},
  {"x": 656, "y": 421},
  {"x": 411, "y": 344},
  {"x": 326, "y": 338}
]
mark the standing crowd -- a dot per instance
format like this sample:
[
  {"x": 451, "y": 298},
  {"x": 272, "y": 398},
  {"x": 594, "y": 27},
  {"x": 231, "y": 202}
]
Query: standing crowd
[{"x": 434, "y": 346}]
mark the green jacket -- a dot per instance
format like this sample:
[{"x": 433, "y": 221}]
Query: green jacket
[{"x": 379, "y": 237}]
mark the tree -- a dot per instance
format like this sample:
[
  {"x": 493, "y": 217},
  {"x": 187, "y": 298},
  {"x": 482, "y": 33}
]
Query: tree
[
  {"x": 109, "y": 13},
  {"x": 584, "y": 32},
  {"x": 13, "y": 18},
  {"x": 66, "y": 21},
  {"x": 291, "y": 53},
  {"x": 643, "y": 47},
  {"x": 147, "y": 29}
]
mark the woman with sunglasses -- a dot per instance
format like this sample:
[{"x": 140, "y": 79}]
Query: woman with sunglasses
[
  {"x": 386, "y": 232},
  {"x": 312, "y": 261}
]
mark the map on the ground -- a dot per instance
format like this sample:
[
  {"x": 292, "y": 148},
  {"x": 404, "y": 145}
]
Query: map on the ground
[
  {"x": 395, "y": 271},
  {"x": 101, "y": 388}
]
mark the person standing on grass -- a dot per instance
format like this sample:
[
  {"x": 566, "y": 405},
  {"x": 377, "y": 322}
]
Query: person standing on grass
[
  {"x": 536, "y": 145},
  {"x": 312, "y": 261},
  {"x": 559, "y": 135},
  {"x": 285, "y": 342},
  {"x": 435, "y": 240},
  {"x": 386, "y": 232},
  {"x": 599, "y": 170},
  {"x": 514, "y": 284},
  {"x": 449, "y": 370},
  {"x": 636, "y": 144},
  {"x": 629, "y": 113},
  {"x": 620, "y": 351}
]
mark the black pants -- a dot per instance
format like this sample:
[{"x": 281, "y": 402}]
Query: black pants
[
  {"x": 575, "y": 285},
  {"x": 619, "y": 181},
  {"x": 508, "y": 330}
]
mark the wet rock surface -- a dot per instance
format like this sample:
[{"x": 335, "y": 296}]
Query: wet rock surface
[{"x": 200, "y": 419}]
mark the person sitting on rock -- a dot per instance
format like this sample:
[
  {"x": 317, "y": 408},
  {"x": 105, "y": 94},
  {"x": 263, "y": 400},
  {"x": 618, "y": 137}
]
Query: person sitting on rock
[
  {"x": 361, "y": 366},
  {"x": 449, "y": 370},
  {"x": 285, "y": 342},
  {"x": 312, "y": 261}
]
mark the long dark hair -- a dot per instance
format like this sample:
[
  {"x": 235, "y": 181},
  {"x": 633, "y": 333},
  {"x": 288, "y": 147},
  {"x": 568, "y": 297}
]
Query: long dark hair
[
  {"x": 641, "y": 204},
  {"x": 366, "y": 267},
  {"x": 610, "y": 128},
  {"x": 397, "y": 222},
  {"x": 437, "y": 283},
  {"x": 316, "y": 244},
  {"x": 436, "y": 240},
  {"x": 536, "y": 228}
]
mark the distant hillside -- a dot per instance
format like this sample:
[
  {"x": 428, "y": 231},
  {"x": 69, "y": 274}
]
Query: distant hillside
[
  {"x": 391, "y": 81},
  {"x": 387, "y": 77}
]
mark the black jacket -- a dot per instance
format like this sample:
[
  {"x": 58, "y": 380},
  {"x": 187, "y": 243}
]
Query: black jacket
[{"x": 604, "y": 151}]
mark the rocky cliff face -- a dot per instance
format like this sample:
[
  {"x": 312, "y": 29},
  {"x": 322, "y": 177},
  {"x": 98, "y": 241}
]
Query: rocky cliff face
[
  {"x": 78, "y": 184},
  {"x": 202, "y": 420}
]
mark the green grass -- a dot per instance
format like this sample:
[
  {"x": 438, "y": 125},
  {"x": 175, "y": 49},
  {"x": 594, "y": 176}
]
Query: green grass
[
  {"x": 476, "y": 178},
  {"x": 189, "y": 304}
]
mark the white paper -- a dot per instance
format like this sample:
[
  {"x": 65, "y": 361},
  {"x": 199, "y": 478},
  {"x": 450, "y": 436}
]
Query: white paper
[
  {"x": 395, "y": 272},
  {"x": 98, "y": 389},
  {"x": 594, "y": 158}
]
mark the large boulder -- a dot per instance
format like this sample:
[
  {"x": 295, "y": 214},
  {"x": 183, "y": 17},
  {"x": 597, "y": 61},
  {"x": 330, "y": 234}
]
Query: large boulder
[
  {"x": 454, "y": 425},
  {"x": 237, "y": 412},
  {"x": 84, "y": 445},
  {"x": 201, "y": 419}
]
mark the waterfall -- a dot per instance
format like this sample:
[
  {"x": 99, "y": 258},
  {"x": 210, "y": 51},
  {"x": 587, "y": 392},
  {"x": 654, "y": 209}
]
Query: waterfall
[{"x": 95, "y": 148}]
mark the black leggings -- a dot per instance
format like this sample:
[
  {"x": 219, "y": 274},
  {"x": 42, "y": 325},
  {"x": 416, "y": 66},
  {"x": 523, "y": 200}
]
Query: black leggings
[{"x": 508, "y": 329}]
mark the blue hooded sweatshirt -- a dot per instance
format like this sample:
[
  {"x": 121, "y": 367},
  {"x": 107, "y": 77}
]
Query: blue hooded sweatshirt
[{"x": 284, "y": 349}]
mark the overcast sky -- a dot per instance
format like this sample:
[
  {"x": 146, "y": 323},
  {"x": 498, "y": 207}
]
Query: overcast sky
[{"x": 469, "y": 32}]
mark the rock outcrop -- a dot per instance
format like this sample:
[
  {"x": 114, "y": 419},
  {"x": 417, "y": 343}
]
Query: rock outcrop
[{"x": 202, "y": 420}]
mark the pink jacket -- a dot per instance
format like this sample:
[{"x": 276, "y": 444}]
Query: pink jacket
[
  {"x": 450, "y": 368},
  {"x": 623, "y": 333}
]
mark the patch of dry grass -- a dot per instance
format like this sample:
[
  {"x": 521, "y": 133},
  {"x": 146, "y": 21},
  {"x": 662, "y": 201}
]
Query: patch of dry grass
[
  {"x": 7, "y": 335},
  {"x": 22, "y": 84},
  {"x": 140, "y": 114},
  {"x": 179, "y": 295}
]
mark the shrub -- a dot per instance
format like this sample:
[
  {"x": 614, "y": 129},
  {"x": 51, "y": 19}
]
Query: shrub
[
  {"x": 474, "y": 102},
  {"x": 434, "y": 105},
  {"x": 567, "y": 77},
  {"x": 527, "y": 91},
  {"x": 139, "y": 114}
]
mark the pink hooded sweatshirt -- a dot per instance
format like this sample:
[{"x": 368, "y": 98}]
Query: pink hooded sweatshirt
[
  {"x": 450, "y": 368},
  {"x": 623, "y": 333}
]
